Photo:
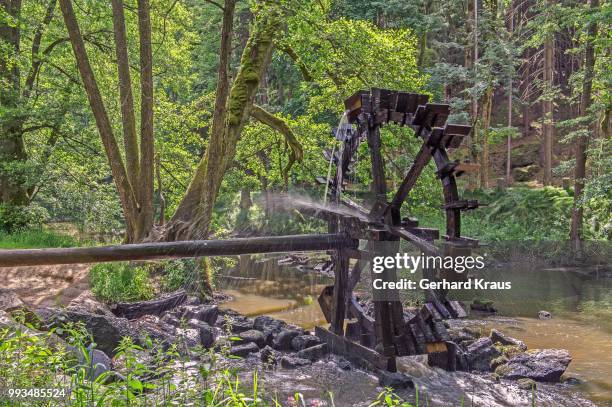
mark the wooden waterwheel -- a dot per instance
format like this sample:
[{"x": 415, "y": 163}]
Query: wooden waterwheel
[{"x": 391, "y": 331}]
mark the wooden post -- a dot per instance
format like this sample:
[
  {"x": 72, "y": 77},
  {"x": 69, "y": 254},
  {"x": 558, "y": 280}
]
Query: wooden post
[{"x": 340, "y": 290}]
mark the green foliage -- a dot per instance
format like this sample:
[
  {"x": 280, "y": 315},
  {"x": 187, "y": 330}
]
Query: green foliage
[
  {"x": 14, "y": 218},
  {"x": 177, "y": 274},
  {"x": 121, "y": 282},
  {"x": 35, "y": 239}
]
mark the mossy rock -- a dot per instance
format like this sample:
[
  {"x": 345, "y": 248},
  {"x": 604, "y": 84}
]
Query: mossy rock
[
  {"x": 525, "y": 155},
  {"x": 522, "y": 174}
]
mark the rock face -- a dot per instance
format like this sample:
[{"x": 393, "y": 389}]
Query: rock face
[
  {"x": 541, "y": 365},
  {"x": 481, "y": 353},
  {"x": 499, "y": 337}
]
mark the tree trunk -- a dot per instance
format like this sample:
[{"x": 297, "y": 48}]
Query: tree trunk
[
  {"x": 547, "y": 107},
  {"x": 582, "y": 141},
  {"x": 13, "y": 157},
  {"x": 137, "y": 206},
  {"x": 147, "y": 142},
  {"x": 192, "y": 218},
  {"x": 509, "y": 139},
  {"x": 487, "y": 101}
]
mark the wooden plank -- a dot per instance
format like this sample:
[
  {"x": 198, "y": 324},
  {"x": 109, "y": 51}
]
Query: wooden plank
[
  {"x": 165, "y": 250},
  {"x": 419, "y": 338},
  {"x": 428, "y": 234},
  {"x": 429, "y": 311},
  {"x": 440, "y": 331},
  {"x": 424, "y": 245},
  {"x": 355, "y": 352},
  {"x": 340, "y": 291},
  {"x": 325, "y": 302},
  {"x": 456, "y": 309},
  {"x": 424, "y": 328}
]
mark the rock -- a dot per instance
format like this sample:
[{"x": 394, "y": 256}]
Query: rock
[
  {"x": 483, "y": 305},
  {"x": 207, "y": 333},
  {"x": 242, "y": 325},
  {"x": 99, "y": 362},
  {"x": 395, "y": 380},
  {"x": 254, "y": 336},
  {"x": 525, "y": 155},
  {"x": 206, "y": 313},
  {"x": 87, "y": 302},
  {"x": 282, "y": 341},
  {"x": 526, "y": 173},
  {"x": 269, "y": 326},
  {"x": 481, "y": 353},
  {"x": 544, "y": 315},
  {"x": 192, "y": 300},
  {"x": 541, "y": 365},
  {"x": 244, "y": 350},
  {"x": 10, "y": 301},
  {"x": 107, "y": 331},
  {"x": 498, "y": 361},
  {"x": 304, "y": 341},
  {"x": 152, "y": 328},
  {"x": 170, "y": 319},
  {"x": 314, "y": 352},
  {"x": 526, "y": 384},
  {"x": 572, "y": 381},
  {"x": 499, "y": 337},
  {"x": 268, "y": 355},
  {"x": 187, "y": 338},
  {"x": 292, "y": 362},
  {"x": 344, "y": 364}
]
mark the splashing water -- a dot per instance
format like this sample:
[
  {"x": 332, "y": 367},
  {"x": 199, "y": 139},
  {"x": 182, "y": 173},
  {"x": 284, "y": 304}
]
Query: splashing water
[{"x": 341, "y": 134}]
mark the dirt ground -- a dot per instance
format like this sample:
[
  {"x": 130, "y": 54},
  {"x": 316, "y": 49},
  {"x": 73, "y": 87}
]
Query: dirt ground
[{"x": 46, "y": 285}]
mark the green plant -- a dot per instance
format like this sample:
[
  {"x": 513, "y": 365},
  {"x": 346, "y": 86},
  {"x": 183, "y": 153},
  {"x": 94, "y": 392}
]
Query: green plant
[
  {"x": 35, "y": 238},
  {"x": 115, "y": 282}
]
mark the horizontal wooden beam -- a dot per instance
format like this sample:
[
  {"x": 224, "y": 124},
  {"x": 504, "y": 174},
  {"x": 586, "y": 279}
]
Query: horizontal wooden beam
[{"x": 165, "y": 250}]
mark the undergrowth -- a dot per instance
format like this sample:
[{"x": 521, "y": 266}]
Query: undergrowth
[
  {"x": 35, "y": 239},
  {"x": 121, "y": 282}
]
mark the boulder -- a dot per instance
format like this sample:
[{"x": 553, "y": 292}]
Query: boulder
[
  {"x": 483, "y": 305},
  {"x": 292, "y": 362},
  {"x": 526, "y": 384},
  {"x": 206, "y": 313},
  {"x": 283, "y": 339},
  {"x": 253, "y": 336},
  {"x": 244, "y": 350},
  {"x": 304, "y": 341},
  {"x": 10, "y": 301},
  {"x": 344, "y": 364},
  {"x": 106, "y": 330},
  {"x": 207, "y": 333},
  {"x": 499, "y": 337},
  {"x": 395, "y": 380},
  {"x": 526, "y": 173},
  {"x": 269, "y": 326},
  {"x": 541, "y": 365},
  {"x": 525, "y": 155},
  {"x": 544, "y": 315},
  {"x": 314, "y": 352},
  {"x": 481, "y": 353},
  {"x": 99, "y": 362},
  {"x": 170, "y": 319},
  {"x": 87, "y": 302}
]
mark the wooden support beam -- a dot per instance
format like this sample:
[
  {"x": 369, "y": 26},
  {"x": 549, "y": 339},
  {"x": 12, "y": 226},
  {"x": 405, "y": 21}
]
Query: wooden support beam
[
  {"x": 338, "y": 312},
  {"x": 425, "y": 246},
  {"x": 165, "y": 250},
  {"x": 420, "y": 162},
  {"x": 355, "y": 352}
]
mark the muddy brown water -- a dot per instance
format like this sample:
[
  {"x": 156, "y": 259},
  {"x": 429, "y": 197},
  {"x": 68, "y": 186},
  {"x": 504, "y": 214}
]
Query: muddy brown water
[{"x": 580, "y": 301}]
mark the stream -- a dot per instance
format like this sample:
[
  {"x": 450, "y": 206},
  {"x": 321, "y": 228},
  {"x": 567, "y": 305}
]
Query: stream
[{"x": 580, "y": 301}]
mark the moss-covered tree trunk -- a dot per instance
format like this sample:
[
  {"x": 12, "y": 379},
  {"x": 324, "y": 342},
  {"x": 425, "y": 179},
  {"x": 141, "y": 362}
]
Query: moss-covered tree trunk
[{"x": 193, "y": 216}]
